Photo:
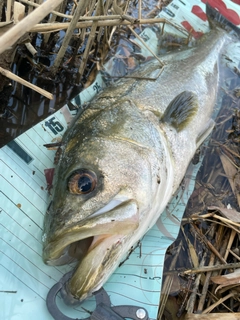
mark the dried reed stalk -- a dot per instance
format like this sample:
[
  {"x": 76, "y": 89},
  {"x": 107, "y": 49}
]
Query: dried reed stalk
[
  {"x": 13, "y": 77},
  {"x": 9, "y": 10},
  {"x": 212, "y": 316},
  {"x": 57, "y": 13},
  {"x": 12, "y": 35},
  {"x": 204, "y": 292},
  {"x": 193, "y": 296},
  {"x": 71, "y": 26},
  {"x": 52, "y": 27},
  {"x": 213, "y": 268},
  {"x": 166, "y": 286},
  {"x": 86, "y": 51}
]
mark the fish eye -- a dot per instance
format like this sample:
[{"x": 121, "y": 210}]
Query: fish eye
[{"x": 82, "y": 181}]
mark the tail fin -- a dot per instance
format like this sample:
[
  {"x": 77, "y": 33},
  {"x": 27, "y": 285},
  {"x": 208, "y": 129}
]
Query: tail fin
[{"x": 215, "y": 18}]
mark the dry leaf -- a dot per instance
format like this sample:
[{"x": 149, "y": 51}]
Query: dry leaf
[{"x": 228, "y": 279}]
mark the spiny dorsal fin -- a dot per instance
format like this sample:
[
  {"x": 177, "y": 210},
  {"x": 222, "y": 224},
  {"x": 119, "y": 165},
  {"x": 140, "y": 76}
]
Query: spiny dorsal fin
[
  {"x": 215, "y": 18},
  {"x": 181, "y": 110}
]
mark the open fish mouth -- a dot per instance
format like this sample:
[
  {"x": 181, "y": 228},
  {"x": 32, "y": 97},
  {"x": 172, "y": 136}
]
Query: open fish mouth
[{"x": 97, "y": 245}]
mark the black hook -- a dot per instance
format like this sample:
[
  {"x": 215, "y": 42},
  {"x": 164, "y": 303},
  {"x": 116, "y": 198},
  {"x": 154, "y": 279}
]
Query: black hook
[{"x": 103, "y": 311}]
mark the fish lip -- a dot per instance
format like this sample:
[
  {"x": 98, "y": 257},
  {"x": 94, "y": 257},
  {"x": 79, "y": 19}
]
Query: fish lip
[
  {"x": 104, "y": 259},
  {"x": 104, "y": 252},
  {"x": 55, "y": 251}
]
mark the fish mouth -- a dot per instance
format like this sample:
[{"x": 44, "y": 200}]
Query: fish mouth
[{"x": 98, "y": 244}]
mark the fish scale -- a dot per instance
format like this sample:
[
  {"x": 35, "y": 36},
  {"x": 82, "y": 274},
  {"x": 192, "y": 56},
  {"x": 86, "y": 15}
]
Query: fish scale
[{"x": 132, "y": 146}]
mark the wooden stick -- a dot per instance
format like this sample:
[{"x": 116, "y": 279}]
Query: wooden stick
[
  {"x": 213, "y": 316},
  {"x": 13, "y": 77},
  {"x": 140, "y": 9},
  {"x": 213, "y": 215},
  {"x": 213, "y": 268},
  {"x": 202, "y": 298},
  {"x": 88, "y": 45},
  {"x": 9, "y": 9},
  {"x": 31, "y": 48},
  {"x": 30, "y": 3},
  {"x": 126, "y": 7},
  {"x": 229, "y": 245},
  {"x": 98, "y": 18},
  {"x": 219, "y": 301},
  {"x": 12, "y": 35},
  {"x": 210, "y": 246},
  {"x": 86, "y": 51},
  {"x": 235, "y": 255},
  {"x": 67, "y": 37},
  {"x": 193, "y": 296},
  {"x": 86, "y": 24},
  {"x": 166, "y": 286}
]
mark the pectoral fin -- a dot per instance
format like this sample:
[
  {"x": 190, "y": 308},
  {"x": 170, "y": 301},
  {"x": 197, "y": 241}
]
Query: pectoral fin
[{"x": 181, "y": 110}]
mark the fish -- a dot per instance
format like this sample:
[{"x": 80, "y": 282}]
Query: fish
[{"x": 124, "y": 157}]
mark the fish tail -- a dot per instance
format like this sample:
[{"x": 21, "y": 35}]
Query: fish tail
[{"x": 216, "y": 19}]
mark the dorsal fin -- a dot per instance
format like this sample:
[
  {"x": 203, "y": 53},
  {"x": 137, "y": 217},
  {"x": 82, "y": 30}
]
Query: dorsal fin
[
  {"x": 215, "y": 18},
  {"x": 181, "y": 110}
]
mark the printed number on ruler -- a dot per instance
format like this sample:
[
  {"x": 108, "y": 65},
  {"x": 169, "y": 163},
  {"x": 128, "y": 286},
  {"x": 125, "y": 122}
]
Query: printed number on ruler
[
  {"x": 144, "y": 36},
  {"x": 54, "y": 125},
  {"x": 97, "y": 87}
]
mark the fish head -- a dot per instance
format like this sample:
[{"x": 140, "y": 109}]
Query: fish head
[{"x": 98, "y": 204}]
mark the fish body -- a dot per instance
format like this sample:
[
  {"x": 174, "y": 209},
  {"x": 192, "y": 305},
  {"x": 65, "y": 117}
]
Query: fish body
[{"x": 123, "y": 159}]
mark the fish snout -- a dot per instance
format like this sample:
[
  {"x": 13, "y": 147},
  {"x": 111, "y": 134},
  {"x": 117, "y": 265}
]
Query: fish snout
[{"x": 99, "y": 245}]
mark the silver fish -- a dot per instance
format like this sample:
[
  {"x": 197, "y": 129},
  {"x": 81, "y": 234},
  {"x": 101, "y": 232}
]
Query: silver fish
[{"x": 125, "y": 156}]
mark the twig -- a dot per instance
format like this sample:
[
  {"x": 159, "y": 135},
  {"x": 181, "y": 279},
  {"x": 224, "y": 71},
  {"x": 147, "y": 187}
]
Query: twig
[
  {"x": 9, "y": 9},
  {"x": 51, "y": 27},
  {"x": 230, "y": 242},
  {"x": 212, "y": 316},
  {"x": 87, "y": 49},
  {"x": 219, "y": 301},
  {"x": 31, "y": 48},
  {"x": 188, "y": 291},
  {"x": 140, "y": 9},
  {"x": 30, "y": 3},
  {"x": 213, "y": 268},
  {"x": 215, "y": 298},
  {"x": 68, "y": 36},
  {"x": 166, "y": 287},
  {"x": 202, "y": 299},
  {"x": 210, "y": 246},
  {"x": 235, "y": 255},
  {"x": 89, "y": 44},
  {"x": 12, "y": 76},
  {"x": 52, "y": 18},
  {"x": 192, "y": 251},
  {"x": 213, "y": 215},
  {"x": 192, "y": 298}
]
